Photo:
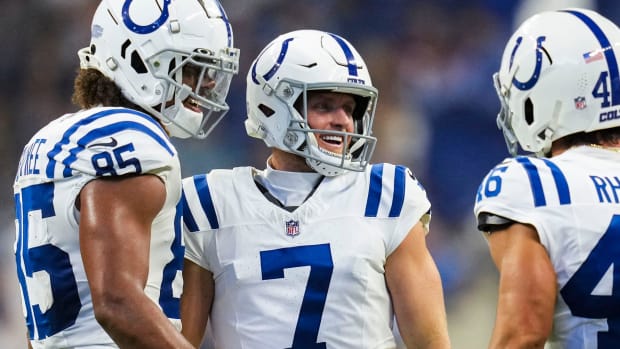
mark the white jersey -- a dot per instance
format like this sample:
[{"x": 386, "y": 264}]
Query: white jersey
[
  {"x": 313, "y": 277},
  {"x": 57, "y": 162},
  {"x": 573, "y": 201}
]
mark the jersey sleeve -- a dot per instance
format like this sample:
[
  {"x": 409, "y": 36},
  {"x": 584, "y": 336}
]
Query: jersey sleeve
[
  {"x": 113, "y": 142},
  {"x": 514, "y": 191},
  {"x": 416, "y": 207},
  {"x": 396, "y": 196},
  {"x": 200, "y": 219}
]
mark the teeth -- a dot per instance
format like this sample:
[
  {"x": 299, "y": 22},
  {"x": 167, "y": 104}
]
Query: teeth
[
  {"x": 193, "y": 103},
  {"x": 336, "y": 139},
  {"x": 347, "y": 156}
]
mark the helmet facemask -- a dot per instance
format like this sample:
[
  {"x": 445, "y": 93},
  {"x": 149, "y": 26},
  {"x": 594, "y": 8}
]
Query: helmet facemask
[
  {"x": 504, "y": 117},
  {"x": 196, "y": 87},
  {"x": 301, "y": 138}
]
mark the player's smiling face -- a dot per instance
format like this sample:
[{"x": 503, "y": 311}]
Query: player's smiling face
[{"x": 331, "y": 111}]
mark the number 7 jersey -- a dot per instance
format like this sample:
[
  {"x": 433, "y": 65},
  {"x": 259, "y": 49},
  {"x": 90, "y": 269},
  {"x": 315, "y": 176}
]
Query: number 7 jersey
[
  {"x": 310, "y": 278},
  {"x": 573, "y": 201},
  {"x": 55, "y": 165}
]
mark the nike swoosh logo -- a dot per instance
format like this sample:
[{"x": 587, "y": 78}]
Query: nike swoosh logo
[{"x": 111, "y": 143}]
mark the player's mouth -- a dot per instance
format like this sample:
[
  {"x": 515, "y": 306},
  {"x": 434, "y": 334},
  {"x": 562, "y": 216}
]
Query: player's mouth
[
  {"x": 192, "y": 104},
  {"x": 332, "y": 143}
]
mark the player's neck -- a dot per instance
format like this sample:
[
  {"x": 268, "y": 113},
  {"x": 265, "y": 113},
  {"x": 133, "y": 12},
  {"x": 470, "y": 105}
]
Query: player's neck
[{"x": 284, "y": 161}]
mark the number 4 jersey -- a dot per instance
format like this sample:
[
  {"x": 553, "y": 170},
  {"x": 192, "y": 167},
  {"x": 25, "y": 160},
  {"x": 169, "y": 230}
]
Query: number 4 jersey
[
  {"x": 57, "y": 162},
  {"x": 310, "y": 278},
  {"x": 573, "y": 202}
]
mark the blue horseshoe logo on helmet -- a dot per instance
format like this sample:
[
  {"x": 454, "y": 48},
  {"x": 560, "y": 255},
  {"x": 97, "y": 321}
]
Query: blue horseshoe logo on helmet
[
  {"x": 534, "y": 78},
  {"x": 276, "y": 66},
  {"x": 149, "y": 28}
]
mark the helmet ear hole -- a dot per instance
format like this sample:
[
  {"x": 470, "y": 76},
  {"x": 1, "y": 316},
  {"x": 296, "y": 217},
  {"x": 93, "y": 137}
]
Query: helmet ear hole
[
  {"x": 137, "y": 63},
  {"x": 266, "y": 110},
  {"x": 529, "y": 111}
]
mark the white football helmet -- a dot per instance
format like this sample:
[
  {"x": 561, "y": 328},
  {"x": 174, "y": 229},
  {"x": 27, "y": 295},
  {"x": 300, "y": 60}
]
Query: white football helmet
[
  {"x": 162, "y": 53},
  {"x": 559, "y": 76},
  {"x": 284, "y": 72}
]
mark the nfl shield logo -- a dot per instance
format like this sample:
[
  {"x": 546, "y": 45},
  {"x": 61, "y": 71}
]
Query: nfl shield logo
[
  {"x": 580, "y": 103},
  {"x": 292, "y": 228}
]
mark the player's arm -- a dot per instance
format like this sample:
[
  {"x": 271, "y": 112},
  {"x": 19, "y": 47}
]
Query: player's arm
[
  {"x": 115, "y": 227},
  {"x": 417, "y": 293},
  {"x": 527, "y": 288},
  {"x": 196, "y": 301}
]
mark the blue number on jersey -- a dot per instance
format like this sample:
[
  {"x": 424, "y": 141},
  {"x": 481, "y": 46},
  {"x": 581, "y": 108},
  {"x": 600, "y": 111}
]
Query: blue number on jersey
[
  {"x": 168, "y": 302},
  {"x": 319, "y": 258},
  {"x": 493, "y": 184},
  {"x": 49, "y": 258},
  {"x": 577, "y": 293},
  {"x": 103, "y": 162}
]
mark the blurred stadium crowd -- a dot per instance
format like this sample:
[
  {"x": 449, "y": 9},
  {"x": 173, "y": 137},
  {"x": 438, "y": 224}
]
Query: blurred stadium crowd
[{"x": 432, "y": 61}]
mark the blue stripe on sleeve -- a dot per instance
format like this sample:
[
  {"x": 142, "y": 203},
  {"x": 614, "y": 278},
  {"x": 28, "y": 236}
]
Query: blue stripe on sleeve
[
  {"x": 535, "y": 183},
  {"x": 398, "y": 197},
  {"x": 74, "y": 128},
  {"x": 374, "y": 191},
  {"x": 560, "y": 182},
  {"x": 188, "y": 218},
  {"x": 107, "y": 131},
  {"x": 204, "y": 195}
]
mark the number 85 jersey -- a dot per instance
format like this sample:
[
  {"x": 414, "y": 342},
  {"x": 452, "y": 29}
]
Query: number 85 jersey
[
  {"x": 572, "y": 200},
  {"x": 55, "y": 165}
]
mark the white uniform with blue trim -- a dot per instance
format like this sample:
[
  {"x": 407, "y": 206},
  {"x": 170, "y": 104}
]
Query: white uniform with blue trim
[
  {"x": 573, "y": 201},
  {"x": 57, "y": 162},
  {"x": 311, "y": 278}
]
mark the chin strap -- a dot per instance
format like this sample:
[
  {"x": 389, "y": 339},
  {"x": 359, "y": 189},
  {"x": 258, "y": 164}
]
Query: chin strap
[{"x": 182, "y": 122}]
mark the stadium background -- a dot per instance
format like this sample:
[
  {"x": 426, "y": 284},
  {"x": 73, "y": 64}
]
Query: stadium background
[{"x": 432, "y": 61}]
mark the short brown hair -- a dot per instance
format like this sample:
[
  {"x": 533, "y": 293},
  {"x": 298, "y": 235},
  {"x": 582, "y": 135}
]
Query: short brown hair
[{"x": 604, "y": 136}]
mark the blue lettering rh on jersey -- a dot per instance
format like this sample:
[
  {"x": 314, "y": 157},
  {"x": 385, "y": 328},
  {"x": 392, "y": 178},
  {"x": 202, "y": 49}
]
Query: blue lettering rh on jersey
[{"x": 606, "y": 187}]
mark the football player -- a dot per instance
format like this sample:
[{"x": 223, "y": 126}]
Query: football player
[
  {"x": 99, "y": 247},
  {"x": 320, "y": 248},
  {"x": 552, "y": 220}
]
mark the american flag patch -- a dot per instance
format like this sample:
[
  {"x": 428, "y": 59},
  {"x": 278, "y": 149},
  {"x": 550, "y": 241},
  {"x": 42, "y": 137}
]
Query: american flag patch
[
  {"x": 292, "y": 228},
  {"x": 593, "y": 56},
  {"x": 580, "y": 103}
]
